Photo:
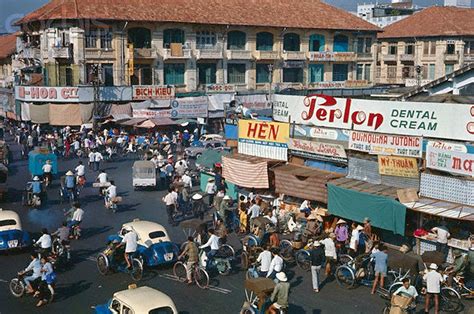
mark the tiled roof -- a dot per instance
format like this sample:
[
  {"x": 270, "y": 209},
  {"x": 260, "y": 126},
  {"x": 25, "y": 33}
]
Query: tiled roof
[
  {"x": 312, "y": 14},
  {"x": 433, "y": 21},
  {"x": 7, "y": 45}
]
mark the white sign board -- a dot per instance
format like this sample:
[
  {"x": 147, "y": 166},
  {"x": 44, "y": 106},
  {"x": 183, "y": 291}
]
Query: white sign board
[{"x": 384, "y": 144}]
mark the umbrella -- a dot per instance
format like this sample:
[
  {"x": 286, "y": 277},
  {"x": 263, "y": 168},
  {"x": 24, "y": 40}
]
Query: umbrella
[{"x": 147, "y": 124}]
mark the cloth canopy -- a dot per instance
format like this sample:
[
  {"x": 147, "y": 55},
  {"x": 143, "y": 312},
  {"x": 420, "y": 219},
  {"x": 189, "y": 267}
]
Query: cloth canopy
[
  {"x": 65, "y": 114},
  {"x": 384, "y": 212},
  {"x": 217, "y": 101},
  {"x": 303, "y": 182},
  {"x": 246, "y": 171},
  {"x": 39, "y": 113},
  {"x": 87, "y": 111},
  {"x": 25, "y": 111}
]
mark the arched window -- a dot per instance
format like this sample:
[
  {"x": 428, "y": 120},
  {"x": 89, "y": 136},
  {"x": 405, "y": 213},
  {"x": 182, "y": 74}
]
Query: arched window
[
  {"x": 341, "y": 43},
  {"x": 316, "y": 42},
  {"x": 140, "y": 37},
  {"x": 236, "y": 40},
  {"x": 291, "y": 42},
  {"x": 172, "y": 36},
  {"x": 265, "y": 41}
]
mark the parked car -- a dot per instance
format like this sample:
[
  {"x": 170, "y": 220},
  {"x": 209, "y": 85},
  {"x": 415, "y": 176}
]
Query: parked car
[
  {"x": 154, "y": 245},
  {"x": 195, "y": 151},
  {"x": 12, "y": 235},
  {"x": 138, "y": 301}
]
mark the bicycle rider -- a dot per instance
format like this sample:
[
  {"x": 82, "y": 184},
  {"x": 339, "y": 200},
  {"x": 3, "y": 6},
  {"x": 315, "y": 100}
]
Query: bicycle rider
[
  {"x": 129, "y": 240},
  {"x": 47, "y": 168},
  {"x": 191, "y": 252},
  {"x": 36, "y": 187},
  {"x": 70, "y": 182}
]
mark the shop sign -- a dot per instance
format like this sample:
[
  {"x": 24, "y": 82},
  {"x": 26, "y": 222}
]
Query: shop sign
[
  {"x": 456, "y": 147},
  {"x": 384, "y": 144},
  {"x": 398, "y": 166},
  {"x": 220, "y": 88},
  {"x": 47, "y": 94},
  {"x": 331, "y": 56},
  {"x": 317, "y": 148},
  {"x": 143, "y": 92},
  {"x": 322, "y": 133},
  {"x": 189, "y": 107},
  {"x": 450, "y": 161},
  {"x": 392, "y": 117},
  {"x": 293, "y": 64},
  {"x": 151, "y": 114},
  {"x": 339, "y": 84},
  {"x": 256, "y": 102},
  {"x": 264, "y": 132}
]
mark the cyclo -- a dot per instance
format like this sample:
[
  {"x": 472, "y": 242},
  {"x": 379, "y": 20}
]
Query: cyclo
[
  {"x": 112, "y": 259},
  {"x": 253, "y": 243},
  {"x": 257, "y": 296}
]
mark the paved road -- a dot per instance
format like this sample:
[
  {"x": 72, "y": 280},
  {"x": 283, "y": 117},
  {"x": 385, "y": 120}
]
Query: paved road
[{"x": 81, "y": 287}]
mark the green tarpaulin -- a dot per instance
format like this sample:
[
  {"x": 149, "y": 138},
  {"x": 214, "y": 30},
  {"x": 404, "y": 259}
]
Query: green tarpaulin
[
  {"x": 384, "y": 212},
  {"x": 210, "y": 157}
]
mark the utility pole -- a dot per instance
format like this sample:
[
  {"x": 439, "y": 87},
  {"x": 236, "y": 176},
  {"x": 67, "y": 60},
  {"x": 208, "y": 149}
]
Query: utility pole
[
  {"x": 96, "y": 82},
  {"x": 270, "y": 91}
]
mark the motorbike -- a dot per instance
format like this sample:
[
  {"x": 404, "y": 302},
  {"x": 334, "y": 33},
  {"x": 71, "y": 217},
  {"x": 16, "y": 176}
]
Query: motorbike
[
  {"x": 60, "y": 253},
  {"x": 222, "y": 261},
  {"x": 111, "y": 203},
  {"x": 111, "y": 259},
  {"x": 18, "y": 287}
]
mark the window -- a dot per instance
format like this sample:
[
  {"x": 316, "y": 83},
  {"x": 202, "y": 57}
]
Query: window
[
  {"x": 263, "y": 73},
  {"x": 173, "y": 36},
  {"x": 7, "y": 222},
  {"x": 316, "y": 73},
  {"x": 105, "y": 39},
  {"x": 62, "y": 38},
  {"x": 360, "y": 72},
  {"x": 469, "y": 48},
  {"x": 142, "y": 75},
  {"x": 291, "y": 42},
  {"x": 236, "y": 40},
  {"x": 368, "y": 72},
  {"x": 156, "y": 234},
  {"x": 126, "y": 310},
  {"x": 450, "y": 49},
  {"x": 340, "y": 72},
  {"x": 115, "y": 306},
  {"x": 316, "y": 42},
  {"x": 424, "y": 71},
  {"x": 433, "y": 48},
  {"x": 449, "y": 68},
  {"x": 392, "y": 49},
  {"x": 293, "y": 75},
  {"x": 409, "y": 49},
  {"x": 364, "y": 45},
  {"x": 265, "y": 41},
  {"x": 205, "y": 39},
  {"x": 162, "y": 310},
  {"x": 108, "y": 74},
  {"x": 236, "y": 73},
  {"x": 65, "y": 75},
  {"x": 91, "y": 38},
  {"x": 140, "y": 37},
  {"x": 378, "y": 71},
  {"x": 426, "y": 47},
  {"x": 392, "y": 71},
  {"x": 431, "y": 73},
  {"x": 207, "y": 73},
  {"x": 408, "y": 72},
  {"x": 341, "y": 43},
  {"x": 174, "y": 73}
]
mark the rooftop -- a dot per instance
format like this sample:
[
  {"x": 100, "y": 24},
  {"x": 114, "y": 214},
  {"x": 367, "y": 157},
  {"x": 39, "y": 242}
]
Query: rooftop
[
  {"x": 310, "y": 14},
  {"x": 7, "y": 45},
  {"x": 433, "y": 22}
]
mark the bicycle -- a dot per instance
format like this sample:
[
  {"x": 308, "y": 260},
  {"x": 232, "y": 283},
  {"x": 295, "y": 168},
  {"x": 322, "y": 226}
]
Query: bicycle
[{"x": 199, "y": 274}]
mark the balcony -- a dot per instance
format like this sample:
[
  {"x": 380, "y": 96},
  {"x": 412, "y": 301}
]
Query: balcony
[
  {"x": 451, "y": 57},
  {"x": 61, "y": 53},
  {"x": 31, "y": 53},
  {"x": 177, "y": 53},
  {"x": 389, "y": 58},
  {"x": 239, "y": 54},
  {"x": 97, "y": 53},
  {"x": 469, "y": 58},
  {"x": 266, "y": 55},
  {"x": 209, "y": 52},
  {"x": 144, "y": 53},
  {"x": 364, "y": 56},
  {"x": 294, "y": 55},
  {"x": 414, "y": 82},
  {"x": 407, "y": 58},
  {"x": 345, "y": 56}
]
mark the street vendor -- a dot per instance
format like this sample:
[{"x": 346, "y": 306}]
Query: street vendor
[
  {"x": 313, "y": 226},
  {"x": 306, "y": 207},
  {"x": 443, "y": 235}
]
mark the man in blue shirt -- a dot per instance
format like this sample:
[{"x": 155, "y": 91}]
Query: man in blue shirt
[
  {"x": 35, "y": 266},
  {"x": 70, "y": 180},
  {"x": 36, "y": 186},
  {"x": 380, "y": 258}
]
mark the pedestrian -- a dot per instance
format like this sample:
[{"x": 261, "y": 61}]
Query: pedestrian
[
  {"x": 211, "y": 191},
  {"x": 342, "y": 234},
  {"x": 354, "y": 242},
  {"x": 171, "y": 203},
  {"x": 280, "y": 294},
  {"x": 330, "y": 253},
  {"x": 253, "y": 212},
  {"x": 433, "y": 287},
  {"x": 97, "y": 159},
  {"x": 91, "y": 159},
  {"x": 317, "y": 257},
  {"x": 381, "y": 260}
]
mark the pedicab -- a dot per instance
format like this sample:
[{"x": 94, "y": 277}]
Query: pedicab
[
  {"x": 37, "y": 158},
  {"x": 257, "y": 293},
  {"x": 253, "y": 243},
  {"x": 195, "y": 228},
  {"x": 144, "y": 174}
]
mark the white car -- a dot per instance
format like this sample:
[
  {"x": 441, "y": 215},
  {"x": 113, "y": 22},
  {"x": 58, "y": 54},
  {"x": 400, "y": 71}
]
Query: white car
[
  {"x": 12, "y": 235},
  {"x": 211, "y": 137}
]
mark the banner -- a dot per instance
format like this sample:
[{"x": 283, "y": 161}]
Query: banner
[
  {"x": 450, "y": 161},
  {"x": 258, "y": 101},
  {"x": 392, "y": 117},
  {"x": 144, "y": 92},
  {"x": 151, "y": 114},
  {"x": 384, "y": 144},
  {"x": 47, "y": 94},
  {"x": 220, "y": 88},
  {"x": 317, "y": 148},
  {"x": 189, "y": 107},
  {"x": 398, "y": 166},
  {"x": 323, "y": 133}
]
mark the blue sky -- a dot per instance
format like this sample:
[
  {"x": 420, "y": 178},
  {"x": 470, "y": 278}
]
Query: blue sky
[{"x": 11, "y": 10}]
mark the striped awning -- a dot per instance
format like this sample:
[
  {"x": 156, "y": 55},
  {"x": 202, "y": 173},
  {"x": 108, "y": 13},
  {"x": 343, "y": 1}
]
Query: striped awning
[{"x": 246, "y": 171}]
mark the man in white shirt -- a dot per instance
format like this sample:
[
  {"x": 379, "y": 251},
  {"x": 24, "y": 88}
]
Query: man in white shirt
[
  {"x": 276, "y": 264},
  {"x": 97, "y": 159},
  {"x": 130, "y": 241},
  {"x": 442, "y": 238},
  {"x": 102, "y": 177},
  {"x": 271, "y": 217},
  {"x": 171, "y": 201},
  {"x": 213, "y": 243},
  {"x": 330, "y": 252},
  {"x": 45, "y": 241},
  {"x": 265, "y": 259},
  {"x": 354, "y": 242},
  {"x": 433, "y": 287},
  {"x": 211, "y": 190},
  {"x": 111, "y": 193},
  {"x": 253, "y": 212},
  {"x": 188, "y": 182},
  {"x": 47, "y": 169},
  {"x": 76, "y": 215},
  {"x": 91, "y": 159}
]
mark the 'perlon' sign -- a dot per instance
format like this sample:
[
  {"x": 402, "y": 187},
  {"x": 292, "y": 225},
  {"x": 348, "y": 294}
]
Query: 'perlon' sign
[
  {"x": 391, "y": 117},
  {"x": 152, "y": 92}
]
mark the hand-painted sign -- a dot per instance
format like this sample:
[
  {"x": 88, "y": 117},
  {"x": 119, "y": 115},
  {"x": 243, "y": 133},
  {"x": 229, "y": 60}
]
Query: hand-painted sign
[
  {"x": 398, "y": 166},
  {"x": 220, "y": 88},
  {"x": 152, "y": 92},
  {"x": 47, "y": 94},
  {"x": 392, "y": 117},
  {"x": 450, "y": 161},
  {"x": 384, "y": 144},
  {"x": 150, "y": 114},
  {"x": 322, "y": 133},
  {"x": 189, "y": 107},
  {"x": 317, "y": 148}
]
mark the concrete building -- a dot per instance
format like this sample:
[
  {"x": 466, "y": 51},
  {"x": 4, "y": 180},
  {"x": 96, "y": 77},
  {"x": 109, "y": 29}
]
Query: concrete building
[
  {"x": 7, "y": 50},
  {"x": 458, "y": 3},
  {"x": 243, "y": 43},
  {"x": 382, "y": 14},
  {"x": 425, "y": 46}
]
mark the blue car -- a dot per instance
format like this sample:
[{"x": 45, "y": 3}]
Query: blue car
[
  {"x": 154, "y": 245},
  {"x": 11, "y": 234}
]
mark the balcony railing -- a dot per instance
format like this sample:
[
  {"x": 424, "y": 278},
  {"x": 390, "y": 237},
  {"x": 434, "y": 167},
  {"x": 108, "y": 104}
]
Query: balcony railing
[
  {"x": 469, "y": 57},
  {"x": 31, "y": 53},
  {"x": 294, "y": 55},
  {"x": 407, "y": 57},
  {"x": 239, "y": 54},
  {"x": 97, "y": 53},
  {"x": 364, "y": 56},
  {"x": 266, "y": 55},
  {"x": 183, "y": 53},
  {"x": 389, "y": 58},
  {"x": 209, "y": 52},
  {"x": 144, "y": 53},
  {"x": 61, "y": 52},
  {"x": 451, "y": 56}
]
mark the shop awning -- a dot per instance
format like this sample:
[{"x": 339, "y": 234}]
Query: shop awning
[
  {"x": 355, "y": 200},
  {"x": 442, "y": 208},
  {"x": 132, "y": 122},
  {"x": 246, "y": 171},
  {"x": 65, "y": 114},
  {"x": 303, "y": 182}
]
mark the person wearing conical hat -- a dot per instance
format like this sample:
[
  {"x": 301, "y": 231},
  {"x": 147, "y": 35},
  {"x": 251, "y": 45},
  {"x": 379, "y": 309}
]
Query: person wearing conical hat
[{"x": 342, "y": 235}]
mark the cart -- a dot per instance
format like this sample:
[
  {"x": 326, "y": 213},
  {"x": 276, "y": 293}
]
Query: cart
[
  {"x": 257, "y": 292},
  {"x": 144, "y": 174}
]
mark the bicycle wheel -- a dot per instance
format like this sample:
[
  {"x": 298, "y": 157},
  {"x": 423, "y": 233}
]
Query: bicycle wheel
[
  {"x": 344, "y": 259},
  {"x": 450, "y": 300},
  {"x": 201, "y": 277},
  {"x": 137, "y": 270},
  {"x": 244, "y": 260},
  {"x": 179, "y": 271},
  {"x": 345, "y": 277},
  {"x": 303, "y": 260},
  {"x": 394, "y": 287},
  {"x": 386, "y": 310},
  {"x": 286, "y": 250},
  {"x": 102, "y": 264},
  {"x": 227, "y": 251}
]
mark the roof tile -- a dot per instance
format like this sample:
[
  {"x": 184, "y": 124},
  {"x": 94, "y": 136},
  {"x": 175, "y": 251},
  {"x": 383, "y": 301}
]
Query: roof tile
[{"x": 7, "y": 45}]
